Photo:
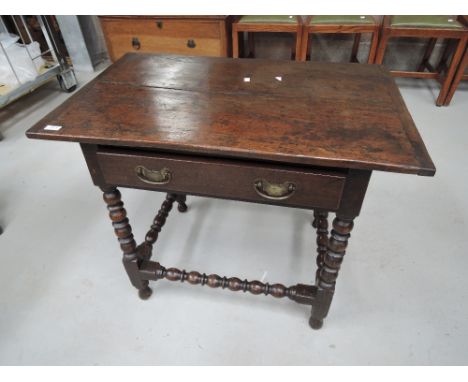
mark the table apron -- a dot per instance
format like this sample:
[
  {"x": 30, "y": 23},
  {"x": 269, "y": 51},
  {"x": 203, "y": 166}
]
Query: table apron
[{"x": 258, "y": 182}]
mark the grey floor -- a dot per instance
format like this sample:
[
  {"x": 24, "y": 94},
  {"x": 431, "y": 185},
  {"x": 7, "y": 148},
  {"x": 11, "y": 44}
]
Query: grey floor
[{"x": 402, "y": 295}]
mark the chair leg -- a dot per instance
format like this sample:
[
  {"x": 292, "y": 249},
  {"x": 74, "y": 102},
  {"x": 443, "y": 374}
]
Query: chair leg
[
  {"x": 457, "y": 78},
  {"x": 305, "y": 42},
  {"x": 354, "y": 52},
  {"x": 241, "y": 47},
  {"x": 451, "y": 71},
  {"x": 235, "y": 43},
  {"x": 250, "y": 37},
  {"x": 427, "y": 54},
  {"x": 381, "y": 48},
  {"x": 445, "y": 56},
  {"x": 294, "y": 51},
  {"x": 298, "y": 45},
  {"x": 373, "y": 47}
]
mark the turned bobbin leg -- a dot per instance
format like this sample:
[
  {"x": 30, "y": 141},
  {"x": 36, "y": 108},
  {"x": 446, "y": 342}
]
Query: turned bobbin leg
[
  {"x": 123, "y": 231},
  {"x": 329, "y": 271},
  {"x": 181, "y": 199},
  {"x": 159, "y": 222},
  {"x": 320, "y": 223}
]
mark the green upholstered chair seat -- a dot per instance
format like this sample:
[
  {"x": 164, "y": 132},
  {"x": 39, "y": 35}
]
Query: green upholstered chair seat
[
  {"x": 272, "y": 19},
  {"x": 449, "y": 22},
  {"x": 339, "y": 20}
]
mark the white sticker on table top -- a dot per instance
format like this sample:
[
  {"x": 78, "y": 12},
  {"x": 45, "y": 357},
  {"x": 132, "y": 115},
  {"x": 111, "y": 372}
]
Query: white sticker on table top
[{"x": 52, "y": 127}]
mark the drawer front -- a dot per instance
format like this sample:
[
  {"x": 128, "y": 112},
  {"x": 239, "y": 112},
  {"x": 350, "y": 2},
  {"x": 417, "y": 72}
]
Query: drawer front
[
  {"x": 190, "y": 37},
  {"x": 229, "y": 179},
  {"x": 163, "y": 27},
  {"x": 120, "y": 44}
]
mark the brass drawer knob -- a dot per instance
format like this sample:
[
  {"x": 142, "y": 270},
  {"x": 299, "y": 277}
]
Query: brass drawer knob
[
  {"x": 136, "y": 43},
  {"x": 191, "y": 44},
  {"x": 162, "y": 176},
  {"x": 274, "y": 191}
]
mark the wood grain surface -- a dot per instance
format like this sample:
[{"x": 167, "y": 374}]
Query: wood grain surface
[{"x": 318, "y": 114}]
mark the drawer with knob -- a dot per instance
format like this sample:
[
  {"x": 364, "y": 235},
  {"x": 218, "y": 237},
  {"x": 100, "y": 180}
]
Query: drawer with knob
[
  {"x": 188, "y": 36},
  {"x": 223, "y": 178}
]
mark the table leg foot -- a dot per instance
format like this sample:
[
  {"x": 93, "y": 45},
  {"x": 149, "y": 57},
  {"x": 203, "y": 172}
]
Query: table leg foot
[
  {"x": 145, "y": 293},
  {"x": 182, "y": 207},
  {"x": 160, "y": 219},
  {"x": 315, "y": 324}
]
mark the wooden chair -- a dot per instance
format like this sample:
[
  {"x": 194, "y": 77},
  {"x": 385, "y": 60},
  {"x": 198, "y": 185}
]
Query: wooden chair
[
  {"x": 341, "y": 24},
  {"x": 252, "y": 24},
  {"x": 432, "y": 27}
]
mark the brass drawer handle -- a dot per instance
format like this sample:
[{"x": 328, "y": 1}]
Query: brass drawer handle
[
  {"x": 159, "y": 24},
  {"x": 191, "y": 44},
  {"x": 136, "y": 43},
  {"x": 162, "y": 176},
  {"x": 274, "y": 191}
]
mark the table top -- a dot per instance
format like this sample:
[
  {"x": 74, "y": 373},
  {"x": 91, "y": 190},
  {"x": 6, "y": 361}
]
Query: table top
[{"x": 307, "y": 113}]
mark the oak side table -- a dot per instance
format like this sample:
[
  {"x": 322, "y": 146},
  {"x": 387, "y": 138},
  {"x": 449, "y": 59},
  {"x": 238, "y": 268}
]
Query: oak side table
[{"x": 294, "y": 134}]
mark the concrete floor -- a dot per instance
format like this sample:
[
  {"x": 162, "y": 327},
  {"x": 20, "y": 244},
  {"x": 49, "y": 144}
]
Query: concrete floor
[{"x": 402, "y": 295}]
